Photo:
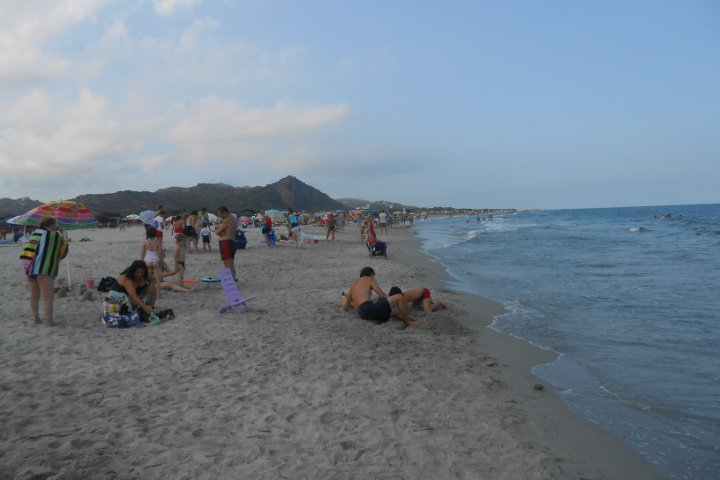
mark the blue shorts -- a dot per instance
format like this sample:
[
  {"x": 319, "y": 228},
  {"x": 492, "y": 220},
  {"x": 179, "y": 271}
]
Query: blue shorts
[{"x": 379, "y": 311}]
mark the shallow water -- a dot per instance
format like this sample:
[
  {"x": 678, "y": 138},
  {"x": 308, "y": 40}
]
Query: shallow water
[{"x": 630, "y": 302}]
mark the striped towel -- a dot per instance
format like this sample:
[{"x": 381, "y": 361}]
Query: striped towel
[{"x": 43, "y": 252}]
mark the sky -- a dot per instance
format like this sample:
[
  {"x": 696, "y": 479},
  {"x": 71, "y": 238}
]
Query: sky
[{"x": 469, "y": 103}]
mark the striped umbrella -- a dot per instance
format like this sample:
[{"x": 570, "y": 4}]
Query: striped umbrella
[
  {"x": 147, "y": 216},
  {"x": 276, "y": 216}
]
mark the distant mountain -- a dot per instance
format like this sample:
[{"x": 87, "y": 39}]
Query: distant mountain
[
  {"x": 288, "y": 192},
  {"x": 10, "y": 207}
]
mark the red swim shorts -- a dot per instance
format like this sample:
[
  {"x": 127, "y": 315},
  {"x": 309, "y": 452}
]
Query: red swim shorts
[{"x": 227, "y": 249}]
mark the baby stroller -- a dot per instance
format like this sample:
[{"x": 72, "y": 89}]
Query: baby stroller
[{"x": 377, "y": 248}]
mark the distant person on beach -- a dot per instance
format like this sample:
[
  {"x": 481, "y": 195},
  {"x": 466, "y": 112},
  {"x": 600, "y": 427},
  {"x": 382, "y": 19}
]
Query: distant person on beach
[
  {"x": 178, "y": 284},
  {"x": 41, "y": 259},
  {"x": 294, "y": 227},
  {"x": 206, "y": 233},
  {"x": 177, "y": 225},
  {"x": 331, "y": 227},
  {"x": 158, "y": 223},
  {"x": 383, "y": 221},
  {"x": 417, "y": 296},
  {"x": 266, "y": 228},
  {"x": 191, "y": 231},
  {"x": 226, "y": 233},
  {"x": 203, "y": 217},
  {"x": 151, "y": 251},
  {"x": 358, "y": 295},
  {"x": 136, "y": 283}
]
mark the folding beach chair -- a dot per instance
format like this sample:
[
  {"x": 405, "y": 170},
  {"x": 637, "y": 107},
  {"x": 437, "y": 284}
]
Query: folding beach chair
[{"x": 234, "y": 300}]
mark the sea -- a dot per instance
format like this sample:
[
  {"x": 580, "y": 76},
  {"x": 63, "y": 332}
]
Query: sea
[{"x": 629, "y": 298}]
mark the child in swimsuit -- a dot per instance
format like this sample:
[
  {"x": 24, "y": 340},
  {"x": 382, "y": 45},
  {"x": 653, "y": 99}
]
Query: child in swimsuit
[
  {"x": 177, "y": 285},
  {"x": 180, "y": 257},
  {"x": 151, "y": 249}
]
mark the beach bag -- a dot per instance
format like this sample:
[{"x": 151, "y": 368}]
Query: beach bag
[
  {"x": 189, "y": 231},
  {"x": 116, "y": 320},
  {"x": 116, "y": 305},
  {"x": 105, "y": 284},
  {"x": 271, "y": 237}
]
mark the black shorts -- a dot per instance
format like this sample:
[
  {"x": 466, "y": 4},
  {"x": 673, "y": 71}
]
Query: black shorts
[{"x": 379, "y": 311}]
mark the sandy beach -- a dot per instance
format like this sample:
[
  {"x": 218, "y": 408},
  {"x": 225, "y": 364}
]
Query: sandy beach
[{"x": 292, "y": 389}]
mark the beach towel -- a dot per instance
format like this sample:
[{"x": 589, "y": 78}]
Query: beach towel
[{"x": 43, "y": 253}]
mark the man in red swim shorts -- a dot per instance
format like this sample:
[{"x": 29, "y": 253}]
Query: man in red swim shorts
[{"x": 226, "y": 236}]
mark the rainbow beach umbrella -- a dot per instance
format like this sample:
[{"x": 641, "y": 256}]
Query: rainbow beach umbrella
[
  {"x": 70, "y": 216},
  {"x": 276, "y": 216}
]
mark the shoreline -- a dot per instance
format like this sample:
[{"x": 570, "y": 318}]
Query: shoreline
[
  {"x": 292, "y": 388},
  {"x": 551, "y": 421}
]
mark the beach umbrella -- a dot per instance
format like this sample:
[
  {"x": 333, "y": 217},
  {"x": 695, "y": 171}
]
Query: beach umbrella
[
  {"x": 69, "y": 215},
  {"x": 132, "y": 216},
  {"x": 147, "y": 216},
  {"x": 245, "y": 220},
  {"x": 276, "y": 216}
]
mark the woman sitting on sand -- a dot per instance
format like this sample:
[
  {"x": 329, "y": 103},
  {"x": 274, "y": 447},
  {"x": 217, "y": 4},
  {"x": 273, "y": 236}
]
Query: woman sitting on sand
[{"x": 135, "y": 282}]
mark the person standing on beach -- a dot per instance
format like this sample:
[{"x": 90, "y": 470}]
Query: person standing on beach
[
  {"x": 158, "y": 223},
  {"x": 226, "y": 233},
  {"x": 266, "y": 228},
  {"x": 383, "y": 221},
  {"x": 294, "y": 227},
  {"x": 41, "y": 259},
  {"x": 331, "y": 227},
  {"x": 203, "y": 218},
  {"x": 358, "y": 295}
]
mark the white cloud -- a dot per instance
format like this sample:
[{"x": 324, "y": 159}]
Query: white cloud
[
  {"x": 24, "y": 29},
  {"x": 168, "y": 7},
  {"x": 215, "y": 130},
  {"x": 40, "y": 137}
]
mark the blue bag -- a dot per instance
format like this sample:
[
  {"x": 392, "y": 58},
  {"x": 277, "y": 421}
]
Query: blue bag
[{"x": 116, "y": 320}]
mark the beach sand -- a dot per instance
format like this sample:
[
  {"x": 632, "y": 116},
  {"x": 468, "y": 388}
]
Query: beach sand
[{"x": 292, "y": 389}]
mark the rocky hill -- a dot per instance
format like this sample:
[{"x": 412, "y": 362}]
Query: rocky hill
[
  {"x": 9, "y": 207},
  {"x": 288, "y": 192}
]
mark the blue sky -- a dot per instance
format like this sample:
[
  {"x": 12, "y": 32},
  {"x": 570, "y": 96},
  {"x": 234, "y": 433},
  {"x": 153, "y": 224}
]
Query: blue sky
[{"x": 482, "y": 104}]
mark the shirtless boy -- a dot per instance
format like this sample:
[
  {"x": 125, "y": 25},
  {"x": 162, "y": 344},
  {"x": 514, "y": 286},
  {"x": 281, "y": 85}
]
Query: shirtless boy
[
  {"x": 358, "y": 295},
  {"x": 417, "y": 296}
]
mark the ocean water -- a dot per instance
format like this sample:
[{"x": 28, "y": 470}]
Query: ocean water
[{"x": 630, "y": 302}]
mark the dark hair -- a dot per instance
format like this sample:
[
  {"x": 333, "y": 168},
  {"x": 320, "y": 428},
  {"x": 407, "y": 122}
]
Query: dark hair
[
  {"x": 134, "y": 267},
  {"x": 194, "y": 212},
  {"x": 150, "y": 232},
  {"x": 48, "y": 222},
  {"x": 290, "y": 210},
  {"x": 367, "y": 272},
  {"x": 222, "y": 209},
  {"x": 394, "y": 291},
  {"x": 205, "y": 224}
]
